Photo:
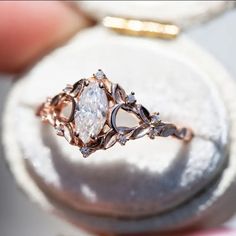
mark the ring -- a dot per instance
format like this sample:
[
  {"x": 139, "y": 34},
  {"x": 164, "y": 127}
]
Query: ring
[{"x": 85, "y": 113}]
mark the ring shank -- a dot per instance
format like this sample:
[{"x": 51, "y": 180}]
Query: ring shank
[{"x": 183, "y": 133}]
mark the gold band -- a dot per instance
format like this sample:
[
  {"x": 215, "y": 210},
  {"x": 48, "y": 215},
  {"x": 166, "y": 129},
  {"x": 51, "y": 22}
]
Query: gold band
[{"x": 142, "y": 28}]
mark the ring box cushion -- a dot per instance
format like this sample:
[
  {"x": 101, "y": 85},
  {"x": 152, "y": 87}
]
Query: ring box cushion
[{"x": 152, "y": 181}]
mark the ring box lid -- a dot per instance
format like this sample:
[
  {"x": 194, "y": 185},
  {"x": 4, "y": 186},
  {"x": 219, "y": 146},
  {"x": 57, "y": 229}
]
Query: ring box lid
[{"x": 181, "y": 13}]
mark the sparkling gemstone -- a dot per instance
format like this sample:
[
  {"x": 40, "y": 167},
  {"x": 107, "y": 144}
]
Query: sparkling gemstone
[
  {"x": 91, "y": 111},
  {"x": 85, "y": 151},
  {"x": 100, "y": 74},
  {"x": 131, "y": 98},
  {"x": 59, "y": 129},
  {"x": 155, "y": 118},
  {"x": 122, "y": 139}
]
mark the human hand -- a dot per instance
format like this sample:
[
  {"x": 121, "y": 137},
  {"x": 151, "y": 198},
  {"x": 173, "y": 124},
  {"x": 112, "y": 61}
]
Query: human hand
[{"x": 30, "y": 29}]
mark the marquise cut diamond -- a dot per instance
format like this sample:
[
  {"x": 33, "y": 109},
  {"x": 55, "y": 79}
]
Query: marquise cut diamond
[{"x": 91, "y": 110}]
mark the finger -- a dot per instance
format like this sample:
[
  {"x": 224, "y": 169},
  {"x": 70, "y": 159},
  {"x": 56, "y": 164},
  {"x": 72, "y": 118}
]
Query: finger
[
  {"x": 28, "y": 29},
  {"x": 223, "y": 232}
]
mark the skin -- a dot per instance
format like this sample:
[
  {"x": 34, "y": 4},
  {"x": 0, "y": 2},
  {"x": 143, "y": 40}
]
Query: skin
[{"x": 30, "y": 29}]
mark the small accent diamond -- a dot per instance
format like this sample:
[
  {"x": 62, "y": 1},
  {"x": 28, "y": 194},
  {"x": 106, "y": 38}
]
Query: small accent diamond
[
  {"x": 59, "y": 129},
  {"x": 155, "y": 118},
  {"x": 131, "y": 98},
  {"x": 100, "y": 74},
  {"x": 85, "y": 151},
  {"x": 122, "y": 139}
]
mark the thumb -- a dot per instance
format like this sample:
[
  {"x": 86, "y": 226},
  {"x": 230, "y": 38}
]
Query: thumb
[{"x": 28, "y": 29}]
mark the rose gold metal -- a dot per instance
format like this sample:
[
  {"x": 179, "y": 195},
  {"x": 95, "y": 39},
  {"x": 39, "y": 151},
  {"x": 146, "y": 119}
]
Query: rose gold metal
[{"x": 149, "y": 124}]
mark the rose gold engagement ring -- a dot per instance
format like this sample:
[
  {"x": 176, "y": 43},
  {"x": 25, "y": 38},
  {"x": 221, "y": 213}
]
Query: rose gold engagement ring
[{"x": 85, "y": 113}]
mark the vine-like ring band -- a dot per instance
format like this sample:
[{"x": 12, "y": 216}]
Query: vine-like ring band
[{"x": 86, "y": 115}]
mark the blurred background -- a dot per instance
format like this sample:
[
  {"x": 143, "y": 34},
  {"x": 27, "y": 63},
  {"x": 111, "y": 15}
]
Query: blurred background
[{"x": 18, "y": 216}]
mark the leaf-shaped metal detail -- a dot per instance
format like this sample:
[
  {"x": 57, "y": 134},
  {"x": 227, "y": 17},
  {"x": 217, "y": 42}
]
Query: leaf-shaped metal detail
[
  {"x": 68, "y": 133},
  {"x": 139, "y": 132},
  {"x": 110, "y": 139},
  {"x": 77, "y": 88},
  {"x": 97, "y": 143},
  {"x": 67, "y": 105},
  {"x": 144, "y": 114},
  {"x": 182, "y": 132},
  {"x": 119, "y": 93},
  {"x": 167, "y": 130},
  {"x": 55, "y": 100}
]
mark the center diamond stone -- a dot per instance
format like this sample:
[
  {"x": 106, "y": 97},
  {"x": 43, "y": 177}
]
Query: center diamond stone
[{"x": 90, "y": 112}]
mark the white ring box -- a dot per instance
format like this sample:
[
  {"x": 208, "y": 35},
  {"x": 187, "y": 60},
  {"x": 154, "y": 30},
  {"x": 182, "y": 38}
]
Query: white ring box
[
  {"x": 147, "y": 185},
  {"x": 184, "y": 14}
]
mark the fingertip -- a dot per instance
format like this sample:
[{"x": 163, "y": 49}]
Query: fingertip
[
  {"x": 219, "y": 232},
  {"x": 30, "y": 28}
]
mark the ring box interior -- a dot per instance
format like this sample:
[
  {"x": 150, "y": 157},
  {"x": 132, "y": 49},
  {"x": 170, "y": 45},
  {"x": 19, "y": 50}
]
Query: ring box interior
[{"x": 146, "y": 185}]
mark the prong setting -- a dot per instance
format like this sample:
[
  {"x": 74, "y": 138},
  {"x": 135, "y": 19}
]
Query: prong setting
[
  {"x": 99, "y": 75},
  {"x": 101, "y": 85},
  {"x": 122, "y": 139},
  {"x": 93, "y": 137},
  {"x": 155, "y": 118},
  {"x": 130, "y": 99},
  {"x": 86, "y": 82}
]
